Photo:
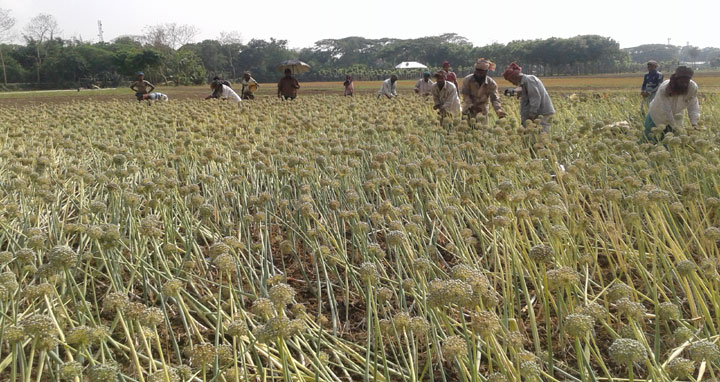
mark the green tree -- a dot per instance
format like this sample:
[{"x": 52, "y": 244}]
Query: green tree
[
  {"x": 41, "y": 28},
  {"x": 7, "y": 22}
]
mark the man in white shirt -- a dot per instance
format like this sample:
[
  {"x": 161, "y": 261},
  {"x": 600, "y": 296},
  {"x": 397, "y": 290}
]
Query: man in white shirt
[
  {"x": 424, "y": 86},
  {"x": 445, "y": 96},
  {"x": 388, "y": 88},
  {"x": 223, "y": 91},
  {"x": 672, "y": 98}
]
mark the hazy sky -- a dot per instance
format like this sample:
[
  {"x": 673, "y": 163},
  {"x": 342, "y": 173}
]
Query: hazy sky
[{"x": 630, "y": 22}]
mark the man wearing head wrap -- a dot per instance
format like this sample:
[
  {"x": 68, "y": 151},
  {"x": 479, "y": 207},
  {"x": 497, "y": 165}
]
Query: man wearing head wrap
[
  {"x": 445, "y": 96},
  {"x": 535, "y": 102},
  {"x": 652, "y": 80},
  {"x": 424, "y": 86},
  {"x": 671, "y": 99},
  {"x": 449, "y": 74},
  {"x": 479, "y": 89}
]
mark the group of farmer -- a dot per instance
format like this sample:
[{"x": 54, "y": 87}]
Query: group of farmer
[
  {"x": 666, "y": 100},
  {"x": 287, "y": 88},
  {"x": 479, "y": 91}
]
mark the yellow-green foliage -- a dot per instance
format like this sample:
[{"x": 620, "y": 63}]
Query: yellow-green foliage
[{"x": 355, "y": 239}]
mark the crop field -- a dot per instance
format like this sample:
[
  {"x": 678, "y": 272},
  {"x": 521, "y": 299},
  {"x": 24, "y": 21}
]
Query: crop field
[
  {"x": 355, "y": 239},
  {"x": 603, "y": 84}
]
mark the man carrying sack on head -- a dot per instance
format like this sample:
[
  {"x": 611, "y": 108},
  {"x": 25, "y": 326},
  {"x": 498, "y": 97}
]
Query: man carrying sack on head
[{"x": 478, "y": 90}]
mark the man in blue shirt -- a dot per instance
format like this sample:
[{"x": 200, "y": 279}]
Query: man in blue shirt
[{"x": 651, "y": 82}]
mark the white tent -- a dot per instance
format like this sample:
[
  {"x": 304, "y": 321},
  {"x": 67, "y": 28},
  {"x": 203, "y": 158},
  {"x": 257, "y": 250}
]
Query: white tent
[{"x": 410, "y": 65}]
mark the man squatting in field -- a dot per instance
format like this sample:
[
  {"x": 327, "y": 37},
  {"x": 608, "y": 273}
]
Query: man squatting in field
[
  {"x": 478, "y": 89},
  {"x": 220, "y": 90},
  {"x": 535, "y": 102},
  {"x": 672, "y": 98},
  {"x": 445, "y": 96},
  {"x": 651, "y": 82},
  {"x": 423, "y": 86},
  {"x": 388, "y": 88},
  {"x": 141, "y": 86}
]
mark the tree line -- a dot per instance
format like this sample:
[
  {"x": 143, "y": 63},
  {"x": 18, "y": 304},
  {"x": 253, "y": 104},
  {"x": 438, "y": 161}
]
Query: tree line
[{"x": 168, "y": 54}]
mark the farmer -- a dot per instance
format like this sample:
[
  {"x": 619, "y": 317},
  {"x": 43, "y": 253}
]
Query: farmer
[
  {"x": 220, "y": 90},
  {"x": 449, "y": 74},
  {"x": 424, "y": 86},
  {"x": 141, "y": 86},
  {"x": 288, "y": 86},
  {"x": 157, "y": 96},
  {"x": 445, "y": 96},
  {"x": 672, "y": 97},
  {"x": 388, "y": 88},
  {"x": 652, "y": 80},
  {"x": 349, "y": 86},
  {"x": 249, "y": 85},
  {"x": 479, "y": 89},
  {"x": 535, "y": 102},
  {"x": 224, "y": 82}
]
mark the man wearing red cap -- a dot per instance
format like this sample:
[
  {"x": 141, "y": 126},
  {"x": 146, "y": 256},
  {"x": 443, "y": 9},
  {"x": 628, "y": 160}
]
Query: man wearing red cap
[
  {"x": 672, "y": 98},
  {"x": 445, "y": 96},
  {"x": 449, "y": 74},
  {"x": 479, "y": 89},
  {"x": 535, "y": 102}
]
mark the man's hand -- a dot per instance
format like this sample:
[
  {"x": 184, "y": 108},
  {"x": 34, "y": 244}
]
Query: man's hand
[
  {"x": 644, "y": 94},
  {"x": 501, "y": 114}
]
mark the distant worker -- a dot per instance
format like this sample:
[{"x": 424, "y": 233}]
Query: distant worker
[
  {"x": 424, "y": 86},
  {"x": 389, "y": 88},
  {"x": 157, "y": 96},
  {"x": 479, "y": 90},
  {"x": 349, "y": 86},
  {"x": 141, "y": 86},
  {"x": 449, "y": 74},
  {"x": 288, "y": 86},
  {"x": 535, "y": 102},
  {"x": 224, "y": 82},
  {"x": 671, "y": 99},
  {"x": 249, "y": 85},
  {"x": 218, "y": 90},
  {"x": 222, "y": 91},
  {"x": 651, "y": 82},
  {"x": 445, "y": 96}
]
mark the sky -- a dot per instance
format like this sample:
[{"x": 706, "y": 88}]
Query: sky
[{"x": 629, "y": 22}]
